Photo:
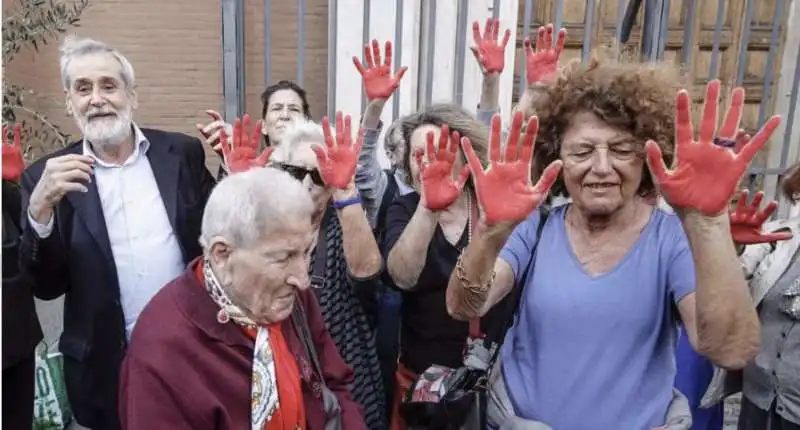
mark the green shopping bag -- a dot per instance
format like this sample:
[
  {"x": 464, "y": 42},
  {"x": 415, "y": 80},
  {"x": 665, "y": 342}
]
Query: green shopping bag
[{"x": 51, "y": 409}]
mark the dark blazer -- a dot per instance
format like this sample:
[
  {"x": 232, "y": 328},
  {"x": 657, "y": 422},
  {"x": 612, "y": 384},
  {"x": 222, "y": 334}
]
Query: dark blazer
[
  {"x": 21, "y": 329},
  {"x": 76, "y": 260},
  {"x": 185, "y": 370}
]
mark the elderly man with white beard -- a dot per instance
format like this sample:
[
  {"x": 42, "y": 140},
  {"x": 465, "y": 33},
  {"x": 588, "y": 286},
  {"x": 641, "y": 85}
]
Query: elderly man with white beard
[{"x": 110, "y": 220}]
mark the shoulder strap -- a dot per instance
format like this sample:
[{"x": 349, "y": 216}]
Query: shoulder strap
[
  {"x": 321, "y": 254},
  {"x": 386, "y": 199},
  {"x": 300, "y": 324},
  {"x": 517, "y": 291}
]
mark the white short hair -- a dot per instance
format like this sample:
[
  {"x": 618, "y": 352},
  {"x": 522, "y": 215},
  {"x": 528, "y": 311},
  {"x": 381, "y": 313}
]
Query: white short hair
[
  {"x": 245, "y": 206},
  {"x": 74, "y": 47},
  {"x": 298, "y": 131}
]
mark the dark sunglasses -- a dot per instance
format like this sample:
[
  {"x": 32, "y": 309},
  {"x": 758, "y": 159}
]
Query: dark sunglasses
[{"x": 300, "y": 173}]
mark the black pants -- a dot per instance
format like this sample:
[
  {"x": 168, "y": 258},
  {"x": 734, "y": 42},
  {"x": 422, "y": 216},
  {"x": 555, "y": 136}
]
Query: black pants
[
  {"x": 18, "y": 395},
  {"x": 751, "y": 417}
]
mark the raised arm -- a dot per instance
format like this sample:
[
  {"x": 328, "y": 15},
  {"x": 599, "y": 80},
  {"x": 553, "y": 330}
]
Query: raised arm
[
  {"x": 337, "y": 166},
  {"x": 439, "y": 191},
  {"x": 490, "y": 56},
  {"x": 507, "y": 197},
  {"x": 541, "y": 65},
  {"x": 719, "y": 316},
  {"x": 379, "y": 85}
]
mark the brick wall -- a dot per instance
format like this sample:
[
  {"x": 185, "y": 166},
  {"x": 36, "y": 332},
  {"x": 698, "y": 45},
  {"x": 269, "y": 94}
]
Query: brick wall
[{"x": 175, "y": 47}]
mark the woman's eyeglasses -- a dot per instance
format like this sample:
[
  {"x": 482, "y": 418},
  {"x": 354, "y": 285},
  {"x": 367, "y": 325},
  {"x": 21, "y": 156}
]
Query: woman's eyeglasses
[{"x": 300, "y": 173}]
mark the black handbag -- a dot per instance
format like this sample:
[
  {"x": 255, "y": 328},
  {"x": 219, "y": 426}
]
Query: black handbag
[{"x": 456, "y": 399}]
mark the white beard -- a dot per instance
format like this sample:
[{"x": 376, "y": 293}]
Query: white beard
[{"x": 107, "y": 132}]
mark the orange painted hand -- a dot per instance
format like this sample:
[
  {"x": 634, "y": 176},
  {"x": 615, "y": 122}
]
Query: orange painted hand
[
  {"x": 504, "y": 189},
  {"x": 13, "y": 163},
  {"x": 438, "y": 188},
  {"x": 730, "y": 135},
  {"x": 339, "y": 158},
  {"x": 379, "y": 84},
  {"x": 747, "y": 220},
  {"x": 491, "y": 56},
  {"x": 541, "y": 64},
  {"x": 241, "y": 154},
  {"x": 704, "y": 176}
]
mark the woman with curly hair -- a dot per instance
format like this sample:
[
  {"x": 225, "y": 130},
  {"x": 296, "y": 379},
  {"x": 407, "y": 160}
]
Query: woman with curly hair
[{"x": 593, "y": 341}]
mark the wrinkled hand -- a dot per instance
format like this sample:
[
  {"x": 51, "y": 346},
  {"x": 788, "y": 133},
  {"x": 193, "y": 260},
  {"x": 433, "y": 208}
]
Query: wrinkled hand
[
  {"x": 211, "y": 131},
  {"x": 541, "y": 64},
  {"x": 13, "y": 163},
  {"x": 704, "y": 176},
  {"x": 504, "y": 189},
  {"x": 339, "y": 158},
  {"x": 730, "y": 135},
  {"x": 61, "y": 175},
  {"x": 439, "y": 190},
  {"x": 747, "y": 220},
  {"x": 379, "y": 84},
  {"x": 240, "y": 155},
  {"x": 491, "y": 56}
]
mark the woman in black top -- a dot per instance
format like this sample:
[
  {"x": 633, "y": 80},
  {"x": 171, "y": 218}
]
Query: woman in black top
[
  {"x": 424, "y": 238},
  {"x": 21, "y": 329}
]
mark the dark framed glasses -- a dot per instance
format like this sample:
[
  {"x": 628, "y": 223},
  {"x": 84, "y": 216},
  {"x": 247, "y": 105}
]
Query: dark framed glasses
[{"x": 300, "y": 173}]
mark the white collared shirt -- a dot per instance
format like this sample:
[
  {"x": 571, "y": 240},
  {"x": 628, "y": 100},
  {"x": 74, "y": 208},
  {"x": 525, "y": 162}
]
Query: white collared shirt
[{"x": 145, "y": 248}]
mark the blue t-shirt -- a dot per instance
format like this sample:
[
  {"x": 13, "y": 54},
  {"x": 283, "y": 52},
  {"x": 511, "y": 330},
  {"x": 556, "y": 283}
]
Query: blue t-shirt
[{"x": 596, "y": 352}]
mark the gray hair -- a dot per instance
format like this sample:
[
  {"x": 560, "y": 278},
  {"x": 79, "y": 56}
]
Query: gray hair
[
  {"x": 74, "y": 47},
  {"x": 298, "y": 131},
  {"x": 245, "y": 206}
]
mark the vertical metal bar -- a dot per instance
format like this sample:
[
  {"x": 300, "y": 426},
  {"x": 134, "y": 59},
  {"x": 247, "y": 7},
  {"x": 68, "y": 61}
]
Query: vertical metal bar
[
  {"x": 364, "y": 41},
  {"x": 398, "y": 57},
  {"x": 663, "y": 37},
  {"x": 650, "y": 30},
  {"x": 232, "y": 58},
  {"x": 748, "y": 19},
  {"x": 267, "y": 43},
  {"x": 333, "y": 21},
  {"x": 793, "y": 102},
  {"x": 620, "y": 16},
  {"x": 429, "y": 54},
  {"x": 559, "y": 18},
  {"x": 526, "y": 31},
  {"x": 688, "y": 33},
  {"x": 495, "y": 9},
  {"x": 768, "y": 71},
  {"x": 461, "y": 47},
  {"x": 588, "y": 23},
  {"x": 301, "y": 40},
  {"x": 713, "y": 69}
]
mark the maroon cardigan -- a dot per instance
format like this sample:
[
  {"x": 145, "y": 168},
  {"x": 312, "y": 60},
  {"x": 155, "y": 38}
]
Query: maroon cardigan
[{"x": 184, "y": 370}]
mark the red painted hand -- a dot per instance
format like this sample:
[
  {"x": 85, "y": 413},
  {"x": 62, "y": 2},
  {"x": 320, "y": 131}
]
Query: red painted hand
[
  {"x": 747, "y": 220},
  {"x": 438, "y": 188},
  {"x": 13, "y": 163},
  {"x": 504, "y": 189},
  {"x": 339, "y": 159},
  {"x": 378, "y": 80},
  {"x": 704, "y": 176},
  {"x": 489, "y": 53},
  {"x": 541, "y": 64},
  {"x": 241, "y": 154}
]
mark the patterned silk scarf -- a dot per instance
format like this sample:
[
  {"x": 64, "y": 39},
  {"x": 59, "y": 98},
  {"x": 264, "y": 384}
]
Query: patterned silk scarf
[{"x": 264, "y": 388}]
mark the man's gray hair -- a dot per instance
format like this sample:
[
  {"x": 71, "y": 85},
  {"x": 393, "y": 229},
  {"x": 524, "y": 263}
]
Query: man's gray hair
[
  {"x": 299, "y": 131},
  {"x": 74, "y": 47},
  {"x": 245, "y": 206}
]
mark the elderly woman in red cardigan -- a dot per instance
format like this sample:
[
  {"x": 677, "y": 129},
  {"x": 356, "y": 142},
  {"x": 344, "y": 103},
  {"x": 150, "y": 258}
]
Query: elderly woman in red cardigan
[{"x": 238, "y": 341}]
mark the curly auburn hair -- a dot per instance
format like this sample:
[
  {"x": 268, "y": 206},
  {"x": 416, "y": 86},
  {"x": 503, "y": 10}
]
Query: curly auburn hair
[{"x": 634, "y": 97}]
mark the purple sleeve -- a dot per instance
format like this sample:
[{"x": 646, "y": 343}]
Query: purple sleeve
[
  {"x": 680, "y": 272},
  {"x": 519, "y": 247}
]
